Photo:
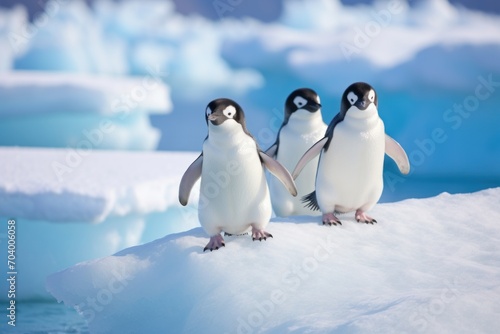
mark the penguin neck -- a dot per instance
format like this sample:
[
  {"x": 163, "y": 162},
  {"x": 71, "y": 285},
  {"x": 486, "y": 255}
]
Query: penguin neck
[
  {"x": 305, "y": 123},
  {"x": 229, "y": 133},
  {"x": 368, "y": 121}
]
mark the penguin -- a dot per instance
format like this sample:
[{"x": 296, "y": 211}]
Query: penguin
[
  {"x": 302, "y": 127},
  {"x": 349, "y": 173},
  {"x": 234, "y": 195}
]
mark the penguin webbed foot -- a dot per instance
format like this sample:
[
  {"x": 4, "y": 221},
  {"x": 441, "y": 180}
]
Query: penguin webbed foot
[
  {"x": 259, "y": 234},
  {"x": 362, "y": 217},
  {"x": 215, "y": 243},
  {"x": 330, "y": 219}
]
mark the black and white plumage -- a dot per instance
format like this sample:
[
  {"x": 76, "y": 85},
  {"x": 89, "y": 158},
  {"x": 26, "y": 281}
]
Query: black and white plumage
[
  {"x": 302, "y": 126},
  {"x": 349, "y": 176},
  {"x": 234, "y": 196}
]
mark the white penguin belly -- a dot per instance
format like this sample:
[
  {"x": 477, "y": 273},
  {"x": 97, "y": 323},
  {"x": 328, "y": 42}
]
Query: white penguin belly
[
  {"x": 292, "y": 146},
  {"x": 350, "y": 171},
  {"x": 234, "y": 192}
]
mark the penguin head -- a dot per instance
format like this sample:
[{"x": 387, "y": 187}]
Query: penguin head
[
  {"x": 220, "y": 111},
  {"x": 302, "y": 101},
  {"x": 359, "y": 100},
  {"x": 225, "y": 115}
]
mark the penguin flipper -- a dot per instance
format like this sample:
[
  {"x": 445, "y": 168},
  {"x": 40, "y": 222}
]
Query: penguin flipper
[
  {"x": 398, "y": 154},
  {"x": 308, "y": 156},
  {"x": 192, "y": 174},
  {"x": 271, "y": 151},
  {"x": 280, "y": 172}
]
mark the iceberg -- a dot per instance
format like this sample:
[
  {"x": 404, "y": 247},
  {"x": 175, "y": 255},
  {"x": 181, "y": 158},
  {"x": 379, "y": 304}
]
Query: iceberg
[
  {"x": 430, "y": 265},
  {"x": 88, "y": 111},
  {"x": 126, "y": 39},
  {"x": 103, "y": 202},
  {"x": 425, "y": 60}
]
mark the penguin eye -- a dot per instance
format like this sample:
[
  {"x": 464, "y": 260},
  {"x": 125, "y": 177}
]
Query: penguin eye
[
  {"x": 229, "y": 112},
  {"x": 208, "y": 111},
  {"x": 371, "y": 96},
  {"x": 352, "y": 98},
  {"x": 299, "y": 101}
]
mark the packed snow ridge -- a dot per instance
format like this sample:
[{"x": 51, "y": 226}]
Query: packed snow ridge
[
  {"x": 76, "y": 185},
  {"x": 429, "y": 265}
]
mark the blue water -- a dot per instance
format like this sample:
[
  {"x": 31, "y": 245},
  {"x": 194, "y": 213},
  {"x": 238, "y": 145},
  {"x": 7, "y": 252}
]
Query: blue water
[
  {"x": 44, "y": 318},
  {"x": 429, "y": 187}
]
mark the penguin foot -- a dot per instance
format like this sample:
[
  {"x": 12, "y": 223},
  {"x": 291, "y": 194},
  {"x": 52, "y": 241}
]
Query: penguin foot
[
  {"x": 258, "y": 234},
  {"x": 362, "y": 217},
  {"x": 330, "y": 219},
  {"x": 215, "y": 243}
]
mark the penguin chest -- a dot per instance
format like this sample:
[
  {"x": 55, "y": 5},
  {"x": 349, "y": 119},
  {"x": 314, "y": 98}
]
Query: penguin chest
[
  {"x": 233, "y": 189},
  {"x": 292, "y": 145},
  {"x": 350, "y": 171}
]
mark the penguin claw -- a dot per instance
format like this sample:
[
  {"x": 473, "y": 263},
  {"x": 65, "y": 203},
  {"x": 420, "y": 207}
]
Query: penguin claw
[
  {"x": 260, "y": 235},
  {"x": 330, "y": 219},
  {"x": 215, "y": 243},
  {"x": 332, "y": 223},
  {"x": 362, "y": 217}
]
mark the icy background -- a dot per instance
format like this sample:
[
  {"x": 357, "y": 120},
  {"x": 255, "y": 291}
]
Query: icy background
[
  {"x": 425, "y": 60},
  {"x": 78, "y": 81}
]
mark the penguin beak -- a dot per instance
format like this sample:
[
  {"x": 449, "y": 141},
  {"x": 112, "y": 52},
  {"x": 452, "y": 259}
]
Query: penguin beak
[
  {"x": 216, "y": 117},
  {"x": 313, "y": 106},
  {"x": 361, "y": 104}
]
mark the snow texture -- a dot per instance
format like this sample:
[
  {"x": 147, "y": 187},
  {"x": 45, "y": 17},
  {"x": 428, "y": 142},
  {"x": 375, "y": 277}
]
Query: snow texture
[{"x": 429, "y": 265}]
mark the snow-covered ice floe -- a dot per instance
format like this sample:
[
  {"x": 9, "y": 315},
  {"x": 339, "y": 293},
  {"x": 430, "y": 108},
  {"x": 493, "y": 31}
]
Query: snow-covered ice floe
[
  {"x": 429, "y": 265},
  {"x": 70, "y": 207},
  {"x": 56, "y": 109}
]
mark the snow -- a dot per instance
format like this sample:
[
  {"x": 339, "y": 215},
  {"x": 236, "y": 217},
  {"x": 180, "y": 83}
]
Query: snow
[
  {"x": 429, "y": 265},
  {"x": 104, "y": 202}
]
